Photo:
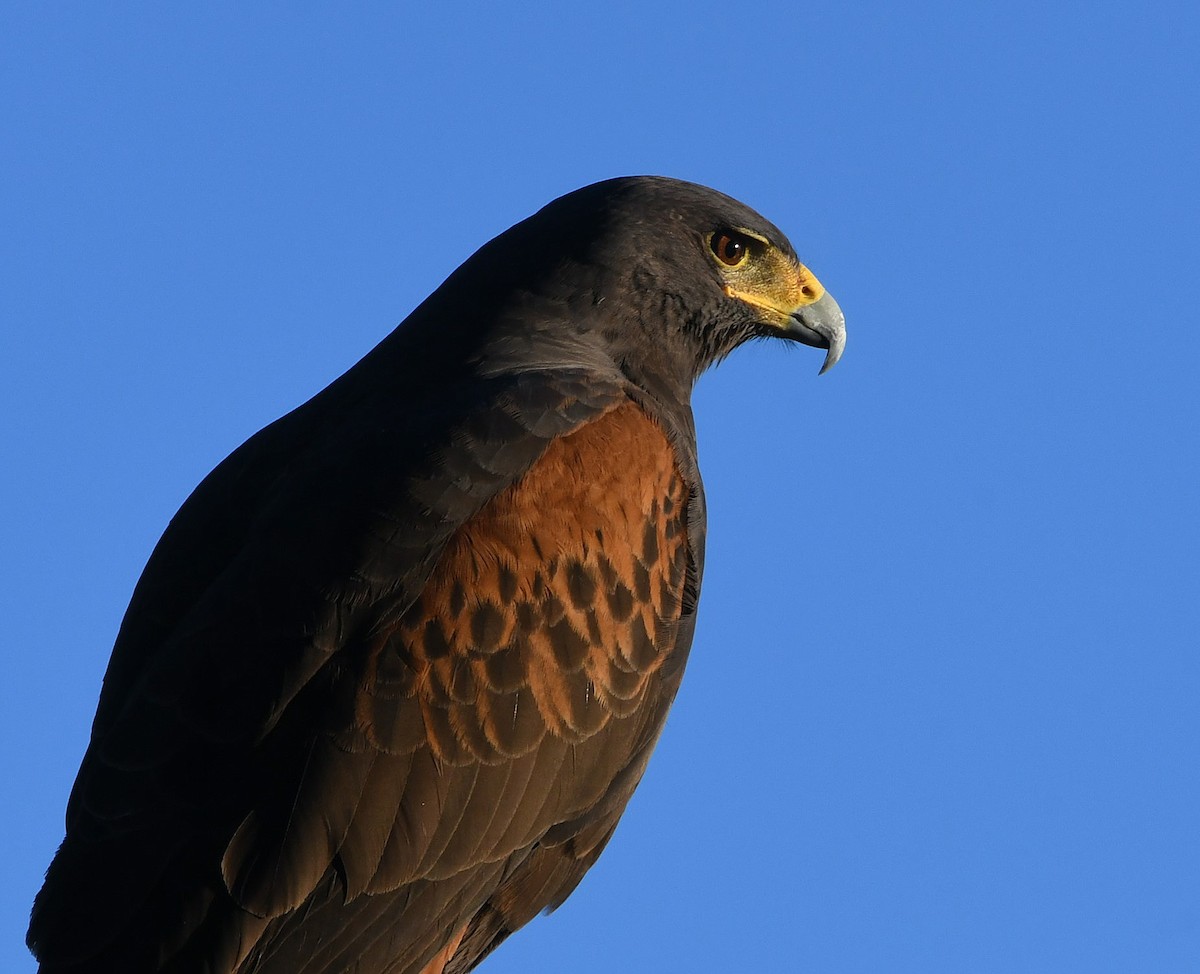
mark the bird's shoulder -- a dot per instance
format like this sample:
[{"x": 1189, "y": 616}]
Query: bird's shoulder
[{"x": 333, "y": 513}]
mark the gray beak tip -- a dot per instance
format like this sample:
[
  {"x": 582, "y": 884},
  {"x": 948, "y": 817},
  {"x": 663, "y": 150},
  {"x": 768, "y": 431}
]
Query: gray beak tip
[
  {"x": 822, "y": 325},
  {"x": 836, "y": 347}
]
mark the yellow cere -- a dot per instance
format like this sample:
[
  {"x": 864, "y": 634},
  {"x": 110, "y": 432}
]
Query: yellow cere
[{"x": 774, "y": 282}]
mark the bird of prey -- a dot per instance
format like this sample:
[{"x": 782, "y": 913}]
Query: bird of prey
[{"x": 395, "y": 668}]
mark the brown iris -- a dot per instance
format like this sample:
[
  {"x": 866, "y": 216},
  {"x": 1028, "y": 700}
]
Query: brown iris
[{"x": 729, "y": 248}]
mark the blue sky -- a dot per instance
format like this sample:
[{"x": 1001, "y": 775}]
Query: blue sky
[{"x": 941, "y": 713}]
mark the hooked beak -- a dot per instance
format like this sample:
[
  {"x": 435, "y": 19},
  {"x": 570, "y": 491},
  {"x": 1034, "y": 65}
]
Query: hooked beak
[{"x": 822, "y": 325}]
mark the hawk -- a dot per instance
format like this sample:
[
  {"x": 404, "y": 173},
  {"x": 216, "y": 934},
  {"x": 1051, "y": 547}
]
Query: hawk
[{"x": 395, "y": 668}]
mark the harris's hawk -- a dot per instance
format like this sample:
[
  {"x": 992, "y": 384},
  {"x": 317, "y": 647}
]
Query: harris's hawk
[{"x": 395, "y": 668}]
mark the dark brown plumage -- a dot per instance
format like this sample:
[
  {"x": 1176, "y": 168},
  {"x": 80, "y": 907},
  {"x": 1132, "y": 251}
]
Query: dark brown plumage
[{"x": 395, "y": 668}]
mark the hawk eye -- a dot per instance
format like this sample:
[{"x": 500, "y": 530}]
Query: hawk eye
[{"x": 729, "y": 248}]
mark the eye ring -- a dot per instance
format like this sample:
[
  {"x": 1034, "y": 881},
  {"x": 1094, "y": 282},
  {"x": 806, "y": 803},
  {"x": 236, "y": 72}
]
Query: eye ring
[{"x": 729, "y": 247}]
